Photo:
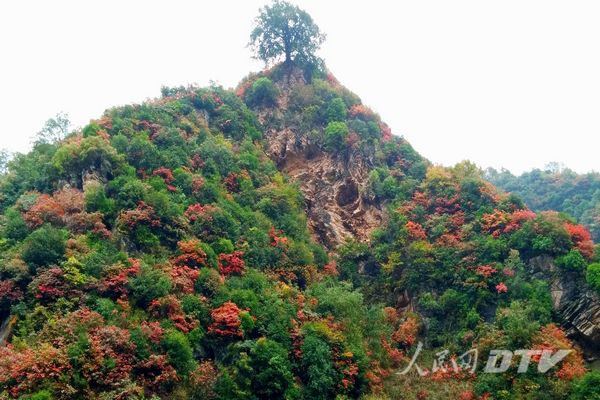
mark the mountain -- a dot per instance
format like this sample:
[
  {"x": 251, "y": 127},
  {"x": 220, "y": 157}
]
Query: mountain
[
  {"x": 275, "y": 241},
  {"x": 556, "y": 189}
]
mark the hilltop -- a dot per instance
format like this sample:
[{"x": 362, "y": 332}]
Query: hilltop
[{"x": 276, "y": 240}]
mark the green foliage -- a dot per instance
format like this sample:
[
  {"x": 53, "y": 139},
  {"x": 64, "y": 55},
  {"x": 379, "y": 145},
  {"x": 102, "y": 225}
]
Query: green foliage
[
  {"x": 44, "y": 246},
  {"x": 179, "y": 351},
  {"x": 336, "y": 110},
  {"x": 588, "y": 387},
  {"x": 593, "y": 276},
  {"x": 555, "y": 188},
  {"x": 572, "y": 261},
  {"x": 263, "y": 92},
  {"x": 319, "y": 374},
  {"x": 335, "y": 136},
  {"x": 282, "y": 29},
  {"x": 149, "y": 284},
  {"x": 14, "y": 227}
]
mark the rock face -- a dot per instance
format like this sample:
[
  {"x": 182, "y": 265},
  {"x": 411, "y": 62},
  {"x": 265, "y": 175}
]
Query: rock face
[
  {"x": 334, "y": 184},
  {"x": 577, "y": 306},
  {"x": 334, "y": 187}
]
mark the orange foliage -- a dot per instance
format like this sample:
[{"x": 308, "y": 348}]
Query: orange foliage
[
  {"x": 191, "y": 254},
  {"x": 226, "y": 321},
  {"x": 582, "y": 239},
  {"x": 415, "y": 230}
]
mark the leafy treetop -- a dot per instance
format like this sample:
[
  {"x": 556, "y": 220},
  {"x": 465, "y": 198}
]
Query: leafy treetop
[{"x": 282, "y": 29}]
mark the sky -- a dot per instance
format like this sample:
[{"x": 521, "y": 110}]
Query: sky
[{"x": 512, "y": 83}]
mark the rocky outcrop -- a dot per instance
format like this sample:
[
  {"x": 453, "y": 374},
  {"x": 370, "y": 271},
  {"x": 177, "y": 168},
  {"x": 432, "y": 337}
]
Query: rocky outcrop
[
  {"x": 334, "y": 184},
  {"x": 334, "y": 187},
  {"x": 577, "y": 306}
]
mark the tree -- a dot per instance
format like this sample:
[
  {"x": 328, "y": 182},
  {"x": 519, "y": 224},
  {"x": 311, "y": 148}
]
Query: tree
[
  {"x": 263, "y": 92},
  {"x": 335, "y": 135},
  {"x": 283, "y": 29},
  {"x": 593, "y": 276},
  {"x": 44, "y": 246},
  {"x": 55, "y": 129}
]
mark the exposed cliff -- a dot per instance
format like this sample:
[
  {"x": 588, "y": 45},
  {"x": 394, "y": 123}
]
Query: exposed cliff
[
  {"x": 577, "y": 306},
  {"x": 334, "y": 184}
]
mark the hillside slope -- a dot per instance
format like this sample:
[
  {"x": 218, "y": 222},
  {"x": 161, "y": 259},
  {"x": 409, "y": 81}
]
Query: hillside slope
[
  {"x": 276, "y": 241},
  {"x": 553, "y": 189}
]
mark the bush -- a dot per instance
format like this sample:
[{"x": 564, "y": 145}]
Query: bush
[
  {"x": 149, "y": 284},
  {"x": 262, "y": 93},
  {"x": 572, "y": 261},
  {"x": 336, "y": 110},
  {"x": 593, "y": 276},
  {"x": 335, "y": 135},
  {"x": 45, "y": 246},
  {"x": 179, "y": 351},
  {"x": 15, "y": 227},
  {"x": 588, "y": 387}
]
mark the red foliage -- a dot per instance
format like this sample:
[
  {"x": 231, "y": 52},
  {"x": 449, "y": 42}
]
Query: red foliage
[
  {"x": 197, "y": 162},
  {"x": 406, "y": 334},
  {"x": 501, "y": 288},
  {"x": 184, "y": 278},
  {"x": 386, "y": 132},
  {"x": 231, "y": 182},
  {"x": 391, "y": 315},
  {"x": 170, "y": 307},
  {"x": 415, "y": 230},
  {"x": 330, "y": 269},
  {"x": 276, "y": 239},
  {"x": 116, "y": 277},
  {"x": 204, "y": 378},
  {"x": 197, "y": 183},
  {"x": 45, "y": 210},
  {"x": 517, "y": 218},
  {"x": 71, "y": 200},
  {"x": 348, "y": 369},
  {"x": 109, "y": 343},
  {"x": 352, "y": 139},
  {"x": 191, "y": 255},
  {"x": 142, "y": 214},
  {"x": 226, "y": 321},
  {"x": 23, "y": 370},
  {"x": 494, "y": 223},
  {"x": 485, "y": 270},
  {"x": 231, "y": 264},
  {"x": 164, "y": 173},
  {"x": 582, "y": 239},
  {"x": 49, "y": 284},
  {"x": 153, "y": 331},
  {"x": 393, "y": 353},
  {"x": 198, "y": 212},
  {"x": 156, "y": 371},
  {"x": 466, "y": 395},
  {"x": 10, "y": 291},
  {"x": 361, "y": 111},
  {"x": 553, "y": 338}
]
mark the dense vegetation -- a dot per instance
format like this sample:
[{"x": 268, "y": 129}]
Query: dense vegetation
[
  {"x": 555, "y": 188},
  {"x": 159, "y": 253}
]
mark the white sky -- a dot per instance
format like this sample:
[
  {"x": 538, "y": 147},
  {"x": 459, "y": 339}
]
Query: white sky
[{"x": 513, "y": 83}]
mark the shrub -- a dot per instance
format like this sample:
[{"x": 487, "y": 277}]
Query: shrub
[
  {"x": 262, "y": 93},
  {"x": 335, "y": 135},
  {"x": 149, "y": 284},
  {"x": 588, "y": 387},
  {"x": 179, "y": 351},
  {"x": 593, "y": 276},
  {"x": 336, "y": 110},
  {"x": 45, "y": 246},
  {"x": 572, "y": 261}
]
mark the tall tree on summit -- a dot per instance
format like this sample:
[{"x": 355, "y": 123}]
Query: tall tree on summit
[{"x": 282, "y": 29}]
